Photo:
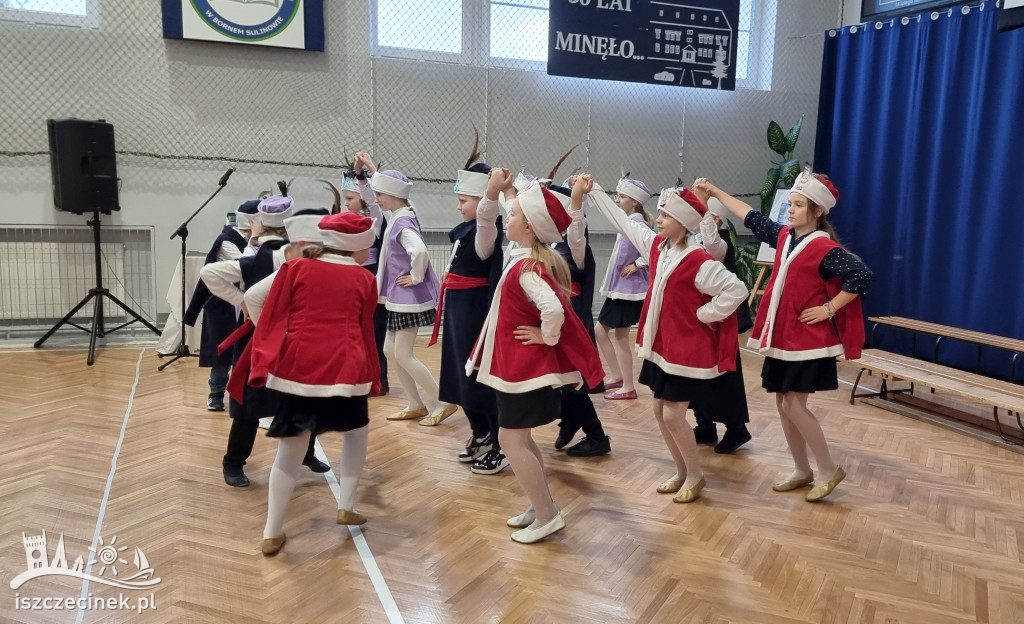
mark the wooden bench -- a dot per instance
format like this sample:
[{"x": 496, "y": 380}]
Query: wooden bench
[
  {"x": 941, "y": 332},
  {"x": 1001, "y": 395}
]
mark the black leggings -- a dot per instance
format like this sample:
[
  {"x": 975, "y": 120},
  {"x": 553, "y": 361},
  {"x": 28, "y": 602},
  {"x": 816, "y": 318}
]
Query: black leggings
[
  {"x": 242, "y": 438},
  {"x": 578, "y": 413}
]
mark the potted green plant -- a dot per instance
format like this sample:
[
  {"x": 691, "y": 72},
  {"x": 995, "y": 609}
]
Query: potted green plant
[{"x": 782, "y": 175}]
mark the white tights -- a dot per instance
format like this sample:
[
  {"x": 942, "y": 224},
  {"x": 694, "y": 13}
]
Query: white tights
[
  {"x": 618, "y": 355},
  {"x": 398, "y": 348},
  {"x": 284, "y": 474},
  {"x": 671, "y": 417},
  {"x": 802, "y": 429}
]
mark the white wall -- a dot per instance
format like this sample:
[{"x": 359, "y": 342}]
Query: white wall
[
  {"x": 206, "y": 99},
  {"x": 851, "y": 12}
]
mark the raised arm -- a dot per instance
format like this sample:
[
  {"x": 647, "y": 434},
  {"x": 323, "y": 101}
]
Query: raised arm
[
  {"x": 713, "y": 243},
  {"x": 363, "y": 163},
  {"x": 704, "y": 189},
  {"x": 639, "y": 235},
  {"x": 576, "y": 235},
  {"x": 763, "y": 228},
  {"x": 487, "y": 212}
]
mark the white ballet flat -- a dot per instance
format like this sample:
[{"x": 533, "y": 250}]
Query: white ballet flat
[{"x": 532, "y": 534}]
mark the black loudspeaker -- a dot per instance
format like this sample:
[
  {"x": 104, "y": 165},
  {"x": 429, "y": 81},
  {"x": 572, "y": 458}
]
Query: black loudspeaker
[{"x": 83, "y": 165}]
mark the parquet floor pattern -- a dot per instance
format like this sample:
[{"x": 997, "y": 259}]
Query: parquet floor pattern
[{"x": 927, "y": 529}]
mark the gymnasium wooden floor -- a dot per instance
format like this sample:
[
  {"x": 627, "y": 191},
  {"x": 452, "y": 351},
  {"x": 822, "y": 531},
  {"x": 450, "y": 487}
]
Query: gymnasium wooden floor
[{"x": 927, "y": 529}]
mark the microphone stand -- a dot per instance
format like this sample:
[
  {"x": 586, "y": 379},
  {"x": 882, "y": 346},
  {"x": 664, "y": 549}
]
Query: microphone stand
[{"x": 182, "y": 232}]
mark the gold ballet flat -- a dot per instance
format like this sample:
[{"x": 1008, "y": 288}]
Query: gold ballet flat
[
  {"x": 271, "y": 545},
  {"x": 350, "y": 517},
  {"x": 670, "y": 487},
  {"x": 439, "y": 415},
  {"x": 409, "y": 414},
  {"x": 819, "y": 492},
  {"x": 791, "y": 484},
  {"x": 689, "y": 495}
]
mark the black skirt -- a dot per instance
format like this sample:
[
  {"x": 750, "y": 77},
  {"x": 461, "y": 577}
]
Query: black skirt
[
  {"x": 529, "y": 409},
  {"x": 404, "y": 320},
  {"x": 257, "y": 403},
  {"x": 728, "y": 401},
  {"x": 804, "y": 376},
  {"x": 318, "y": 414},
  {"x": 675, "y": 388},
  {"x": 617, "y": 313}
]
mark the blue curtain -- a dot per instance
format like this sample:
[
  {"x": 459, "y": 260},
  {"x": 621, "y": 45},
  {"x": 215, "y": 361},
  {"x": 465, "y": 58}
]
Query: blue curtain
[{"x": 921, "y": 127}]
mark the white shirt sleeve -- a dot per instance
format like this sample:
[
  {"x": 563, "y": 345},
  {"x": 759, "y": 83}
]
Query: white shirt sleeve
[
  {"x": 366, "y": 193},
  {"x": 552, "y": 315},
  {"x": 576, "y": 236},
  {"x": 641, "y": 236},
  {"x": 486, "y": 227},
  {"x": 227, "y": 251},
  {"x": 256, "y": 296},
  {"x": 417, "y": 251},
  {"x": 222, "y": 278},
  {"x": 726, "y": 290},
  {"x": 712, "y": 242}
]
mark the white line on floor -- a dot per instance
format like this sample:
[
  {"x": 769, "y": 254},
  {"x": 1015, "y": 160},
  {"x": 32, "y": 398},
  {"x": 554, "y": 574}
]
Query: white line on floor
[
  {"x": 379, "y": 584},
  {"x": 106, "y": 490}
]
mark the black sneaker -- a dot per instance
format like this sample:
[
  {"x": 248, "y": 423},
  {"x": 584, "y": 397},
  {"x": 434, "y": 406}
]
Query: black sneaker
[
  {"x": 476, "y": 448},
  {"x": 316, "y": 465},
  {"x": 565, "y": 436},
  {"x": 733, "y": 439},
  {"x": 235, "y": 477},
  {"x": 705, "y": 434},
  {"x": 491, "y": 463},
  {"x": 215, "y": 402},
  {"x": 588, "y": 447}
]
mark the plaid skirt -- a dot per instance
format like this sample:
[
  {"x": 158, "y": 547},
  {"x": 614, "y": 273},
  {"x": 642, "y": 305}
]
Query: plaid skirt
[{"x": 404, "y": 320}]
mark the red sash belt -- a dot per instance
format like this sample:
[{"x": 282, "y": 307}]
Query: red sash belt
[
  {"x": 243, "y": 330},
  {"x": 455, "y": 282},
  {"x": 575, "y": 290},
  {"x": 240, "y": 371}
]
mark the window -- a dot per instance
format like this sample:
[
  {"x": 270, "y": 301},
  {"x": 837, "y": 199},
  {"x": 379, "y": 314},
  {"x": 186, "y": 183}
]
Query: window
[
  {"x": 755, "y": 44},
  {"x": 81, "y": 13},
  {"x": 514, "y": 33},
  {"x": 427, "y": 25},
  {"x": 529, "y": 20}
]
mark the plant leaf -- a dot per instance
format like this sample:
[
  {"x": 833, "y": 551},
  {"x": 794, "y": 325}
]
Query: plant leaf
[
  {"x": 732, "y": 233},
  {"x": 793, "y": 135},
  {"x": 771, "y": 180},
  {"x": 776, "y": 139},
  {"x": 790, "y": 170}
]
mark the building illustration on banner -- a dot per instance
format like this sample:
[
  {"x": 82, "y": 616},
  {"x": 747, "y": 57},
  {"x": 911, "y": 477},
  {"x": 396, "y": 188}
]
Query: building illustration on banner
[
  {"x": 108, "y": 556},
  {"x": 696, "y": 37},
  {"x": 688, "y": 43}
]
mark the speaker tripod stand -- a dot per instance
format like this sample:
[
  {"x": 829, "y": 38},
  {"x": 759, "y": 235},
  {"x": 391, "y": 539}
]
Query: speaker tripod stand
[{"x": 96, "y": 294}]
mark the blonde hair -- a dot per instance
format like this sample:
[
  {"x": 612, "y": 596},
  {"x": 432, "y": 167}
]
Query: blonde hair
[{"x": 554, "y": 263}]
